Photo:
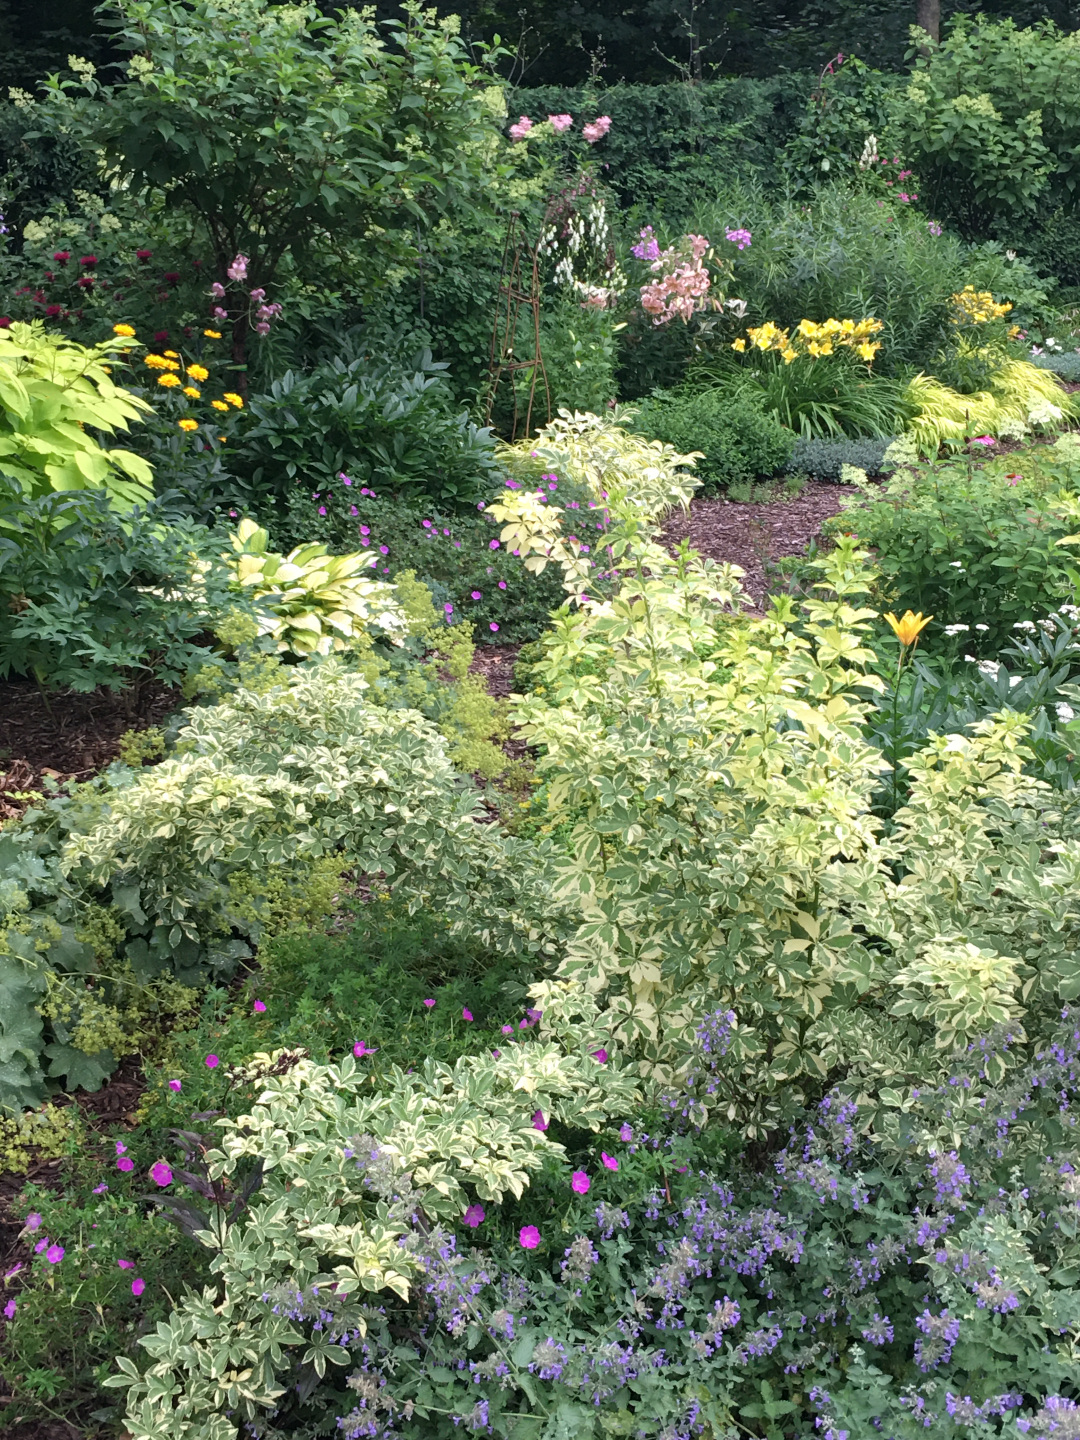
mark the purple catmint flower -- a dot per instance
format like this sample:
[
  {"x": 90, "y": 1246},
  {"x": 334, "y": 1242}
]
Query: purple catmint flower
[{"x": 942, "y": 1332}]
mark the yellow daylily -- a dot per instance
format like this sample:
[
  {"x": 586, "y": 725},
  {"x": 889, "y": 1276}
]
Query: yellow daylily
[{"x": 909, "y": 627}]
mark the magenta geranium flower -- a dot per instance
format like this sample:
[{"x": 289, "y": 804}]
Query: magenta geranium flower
[
  {"x": 212, "y": 1062},
  {"x": 54, "y": 1254},
  {"x": 539, "y": 1123},
  {"x": 176, "y": 1085},
  {"x": 161, "y": 1174},
  {"x": 125, "y": 1163},
  {"x": 259, "y": 1008},
  {"x": 138, "y": 1285},
  {"x": 361, "y": 1048},
  {"x": 625, "y": 1132},
  {"x": 474, "y": 1216},
  {"x": 33, "y": 1221},
  {"x": 9, "y": 1310},
  {"x": 579, "y": 1182},
  {"x": 99, "y": 1189},
  {"x": 120, "y": 1147},
  {"x": 466, "y": 1014},
  {"x": 508, "y": 1029},
  {"x": 126, "y": 1264},
  {"x": 600, "y": 1055},
  {"x": 429, "y": 1003},
  {"x": 529, "y": 1237}
]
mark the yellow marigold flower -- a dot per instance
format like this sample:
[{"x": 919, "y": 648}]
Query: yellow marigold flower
[
  {"x": 212, "y": 334},
  {"x": 168, "y": 381},
  {"x": 219, "y": 404},
  {"x": 907, "y": 629},
  {"x": 234, "y": 399},
  {"x": 739, "y": 344},
  {"x": 198, "y": 372},
  {"x": 126, "y": 331},
  {"x": 172, "y": 354},
  {"x": 190, "y": 390},
  {"x": 188, "y": 425}
]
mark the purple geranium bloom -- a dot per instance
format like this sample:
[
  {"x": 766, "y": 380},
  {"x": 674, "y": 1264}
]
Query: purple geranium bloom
[
  {"x": 361, "y": 1048},
  {"x": 126, "y": 1264},
  {"x": 429, "y": 1003},
  {"x": 138, "y": 1286},
  {"x": 212, "y": 1062},
  {"x": 176, "y": 1085},
  {"x": 474, "y": 1216},
  {"x": 539, "y": 1123},
  {"x": 600, "y": 1055},
  {"x": 258, "y": 1008},
  {"x": 9, "y": 1310},
  {"x": 579, "y": 1182},
  {"x": 466, "y": 1014},
  {"x": 610, "y": 1163},
  {"x": 125, "y": 1163},
  {"x": 529, "y": 1237},
  {"x": 54, "y": 1254},
  {"x": 33, "y": 1221},
  {"x": 161, "y": 1174},
  {"x": 625, "y": 1132},
  {"x": 99, "y": 1189}
]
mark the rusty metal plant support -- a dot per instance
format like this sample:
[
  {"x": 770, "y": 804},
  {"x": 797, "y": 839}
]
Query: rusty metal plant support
[{"x": 519, "y": 287}]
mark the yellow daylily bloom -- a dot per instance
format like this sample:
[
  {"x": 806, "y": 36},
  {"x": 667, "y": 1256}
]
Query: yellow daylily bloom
[
  {"x": 907, "y": 629},
  {"x": 739, "y": 344}
]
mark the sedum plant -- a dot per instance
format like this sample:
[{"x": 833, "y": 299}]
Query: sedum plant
[
  {"x": 318, "y": 603},
  {"x": 54, "y": 394}
]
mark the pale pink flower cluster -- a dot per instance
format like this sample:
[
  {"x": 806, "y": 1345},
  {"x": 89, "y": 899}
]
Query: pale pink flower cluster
[
  {"x": 238, "y": 269},
  {"x": 592, "y": 132},
  {"x": 682, "y": 286}
]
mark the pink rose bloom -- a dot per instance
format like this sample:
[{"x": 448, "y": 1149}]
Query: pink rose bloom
[
  {"x": 137, "y": 1287},
  {"x": 579, "y": 1182},
  {"x": 161, "y": 1174},
  {"x": 529, "y": 1237},
  {"x": 521, "y": 129},
  {"x": 474, "y": 1216},
  {"x": 559, "y": 123},
  {"x": 610, "y": 1163}
]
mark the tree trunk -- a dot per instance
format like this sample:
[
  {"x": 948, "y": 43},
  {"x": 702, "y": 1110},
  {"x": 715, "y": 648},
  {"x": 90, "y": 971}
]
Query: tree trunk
[{"x": 928, "y": 18}]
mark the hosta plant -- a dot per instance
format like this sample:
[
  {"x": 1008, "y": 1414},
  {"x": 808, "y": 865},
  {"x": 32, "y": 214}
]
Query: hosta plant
[{"x": 318, "y": 603}]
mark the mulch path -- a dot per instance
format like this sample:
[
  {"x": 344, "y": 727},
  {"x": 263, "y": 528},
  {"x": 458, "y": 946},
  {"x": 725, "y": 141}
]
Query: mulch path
[
  {"x": 64, "y": 737},
  {"x": 750, "y": 535}
]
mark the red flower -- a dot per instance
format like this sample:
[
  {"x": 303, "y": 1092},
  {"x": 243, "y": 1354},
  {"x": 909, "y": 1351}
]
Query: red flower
[
  {"x": 62, "y": 255},
  {"x": 5, "y": 321},
  {"x": 160, "y": 337},
  {"x": 88, "y": 260},
  {"x": 143, "y": 254},
  {"x": 49, "y": 275},
  {"x": 87, "y": 282},
  {"x": 52, "y": 310},
  {"x": 172, "y": 277}
]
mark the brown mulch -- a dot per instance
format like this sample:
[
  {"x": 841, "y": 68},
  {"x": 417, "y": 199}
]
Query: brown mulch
[
  {"x": 65, "y": 737},
  {"x": 751, "y": 535},
  {"x": 496, "y": 664}
]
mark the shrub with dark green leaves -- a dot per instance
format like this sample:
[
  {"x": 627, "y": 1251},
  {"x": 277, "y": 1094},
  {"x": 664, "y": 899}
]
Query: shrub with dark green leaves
[
  {"x": 391, "y": 425},
  {"x": 739, "y": 442},
  {"x": 91, "y": 598}
]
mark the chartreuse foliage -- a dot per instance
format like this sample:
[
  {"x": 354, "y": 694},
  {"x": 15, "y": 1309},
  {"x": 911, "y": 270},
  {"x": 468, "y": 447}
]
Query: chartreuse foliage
[
  {"x": 445, "y": 1134},
  {"x": 53, "y": 394}
]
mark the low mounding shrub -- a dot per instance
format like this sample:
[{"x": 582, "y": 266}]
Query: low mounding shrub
[
  {"x": 1066, "y": 366},
  {"x": 388, "y": 424},
  {"x": 824, "y": 459},
  {"x": 90, "y": 598},
  {"x": 973, "y": 545},
  {"x": 737, "y": 441}
]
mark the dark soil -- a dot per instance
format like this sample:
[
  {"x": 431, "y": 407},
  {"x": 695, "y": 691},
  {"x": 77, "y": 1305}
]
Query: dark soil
[{"x": 63, "y": 737}]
